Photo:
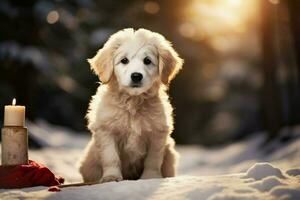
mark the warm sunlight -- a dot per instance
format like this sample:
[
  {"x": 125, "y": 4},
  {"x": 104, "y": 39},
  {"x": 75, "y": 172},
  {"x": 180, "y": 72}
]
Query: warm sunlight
[
  {"x": 234, "y": 2},
  {"x": 209, "y": 18}
]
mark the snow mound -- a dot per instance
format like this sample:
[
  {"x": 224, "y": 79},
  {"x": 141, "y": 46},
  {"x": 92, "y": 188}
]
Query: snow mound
[
  {"x": 260, "y": 171},
  {"x": 293, "y": 172},
  {"x": 267, "y": 183},
  {"x": 286, "y": 193}
]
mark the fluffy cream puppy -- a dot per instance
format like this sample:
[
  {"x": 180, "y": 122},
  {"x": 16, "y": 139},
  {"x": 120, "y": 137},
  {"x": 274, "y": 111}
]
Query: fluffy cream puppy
[{"x": 130, "y": 115}]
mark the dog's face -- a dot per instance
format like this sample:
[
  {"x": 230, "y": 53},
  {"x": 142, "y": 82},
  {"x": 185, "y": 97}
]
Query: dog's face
[
  {"x": 137, "y": 59},
  {"x": 136, "y": 66}
]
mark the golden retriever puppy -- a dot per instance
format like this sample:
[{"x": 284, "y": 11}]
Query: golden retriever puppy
[{"x": 130, "y": 115}]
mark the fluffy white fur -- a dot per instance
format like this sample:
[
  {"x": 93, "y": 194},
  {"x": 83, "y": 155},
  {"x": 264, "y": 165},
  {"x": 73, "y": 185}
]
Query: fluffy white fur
[{"x": 131, "y": 126}]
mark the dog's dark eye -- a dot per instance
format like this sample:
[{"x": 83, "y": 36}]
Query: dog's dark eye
[
  {"x": 125, "y": 61},
  {"x": 147, "y": 61}
]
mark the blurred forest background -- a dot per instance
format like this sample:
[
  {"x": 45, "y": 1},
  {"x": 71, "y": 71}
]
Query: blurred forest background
[{"x": 241, "y": 72}]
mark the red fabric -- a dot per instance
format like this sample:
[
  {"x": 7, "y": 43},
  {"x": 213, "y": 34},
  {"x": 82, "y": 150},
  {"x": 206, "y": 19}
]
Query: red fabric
[{"x": 33, "y": 174}]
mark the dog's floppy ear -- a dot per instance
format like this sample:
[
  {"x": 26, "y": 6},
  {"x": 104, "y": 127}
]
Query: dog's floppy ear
[
  {"x": 169, "y": 62},
  {"x": 102, "y": 63}
]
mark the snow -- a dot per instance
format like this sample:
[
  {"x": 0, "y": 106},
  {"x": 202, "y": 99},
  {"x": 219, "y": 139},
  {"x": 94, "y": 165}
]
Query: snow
[
  {"x": 244, "y": 170},
  {"x": 293, "y": 172},
  {"x": 182, "y": 187},
  {"x": 267, "y": 183},
  {"x": 260, "y": 171}
]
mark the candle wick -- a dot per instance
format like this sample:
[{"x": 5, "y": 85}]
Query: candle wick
[{"x": 14, "y": 101}]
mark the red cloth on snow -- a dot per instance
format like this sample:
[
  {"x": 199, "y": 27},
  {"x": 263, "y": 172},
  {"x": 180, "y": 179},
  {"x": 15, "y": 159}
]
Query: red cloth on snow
[{"x": 33, "y": 174}]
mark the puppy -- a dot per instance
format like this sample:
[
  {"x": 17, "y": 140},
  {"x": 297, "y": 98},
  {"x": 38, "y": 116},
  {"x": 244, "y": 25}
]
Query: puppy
[{"x": 130, "y": 115}]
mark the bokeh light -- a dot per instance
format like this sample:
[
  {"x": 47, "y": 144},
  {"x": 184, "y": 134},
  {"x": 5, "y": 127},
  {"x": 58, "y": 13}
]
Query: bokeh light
[
  {"x": 151, "y": 7},
  {"x": 52, "y": 17},
  {"x": 274, "y": 1},
  {"x": 187, "y": 30}
]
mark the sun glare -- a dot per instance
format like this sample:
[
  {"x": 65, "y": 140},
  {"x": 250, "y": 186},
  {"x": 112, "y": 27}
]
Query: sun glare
[
  {"x": 214, "y": 17},
  {"x": 234, "y": 2}
]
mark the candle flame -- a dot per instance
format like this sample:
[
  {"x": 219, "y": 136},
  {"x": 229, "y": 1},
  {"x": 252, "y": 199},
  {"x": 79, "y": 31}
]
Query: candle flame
[{"x": 14, "y": 101}]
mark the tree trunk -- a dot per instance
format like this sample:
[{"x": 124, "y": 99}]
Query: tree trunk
[
  {"x": 294, "y": 8},
  {"x": 271, "y": 102}
]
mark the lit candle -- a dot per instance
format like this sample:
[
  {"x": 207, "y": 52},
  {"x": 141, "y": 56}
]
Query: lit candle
[
  {"x": 14, "y": 147},
  {"x": 14, "y": 115}
]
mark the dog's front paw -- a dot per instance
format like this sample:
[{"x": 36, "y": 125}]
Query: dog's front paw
[
  {"x": 110, "y": 178},
  {"x": 151, "y": 174}
]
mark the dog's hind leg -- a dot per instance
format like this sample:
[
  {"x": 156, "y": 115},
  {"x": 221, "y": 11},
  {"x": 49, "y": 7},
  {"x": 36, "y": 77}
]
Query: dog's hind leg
[
  {"x": 169, "y": 165},
  {"x": 89, "y": 167}
]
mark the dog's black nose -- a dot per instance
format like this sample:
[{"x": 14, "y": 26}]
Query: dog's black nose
[{"x": 136, "y": 77}]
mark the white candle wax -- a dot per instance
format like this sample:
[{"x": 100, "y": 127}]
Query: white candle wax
[{"x": 14, "y": 115}]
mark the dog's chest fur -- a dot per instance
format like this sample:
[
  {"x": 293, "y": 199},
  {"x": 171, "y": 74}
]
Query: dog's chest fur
[
  {"x": 134, "y": 123},
  {"x": 134, "y": 126},
  {"x": 133, "y": 130}
]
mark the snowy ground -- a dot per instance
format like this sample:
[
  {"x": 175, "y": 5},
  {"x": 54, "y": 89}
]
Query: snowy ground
[{"x": 229, "y": 172}]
